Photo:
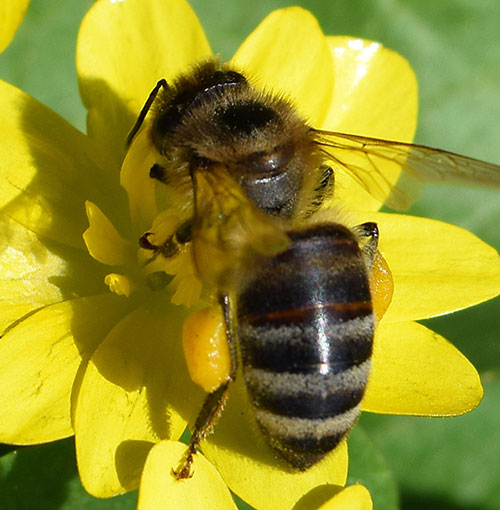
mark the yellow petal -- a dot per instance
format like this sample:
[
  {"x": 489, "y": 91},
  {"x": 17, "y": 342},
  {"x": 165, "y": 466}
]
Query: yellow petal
[
  {"x": 39, "y": 361},
  {"x": 288, "y": 54},
  {"x": 159, "y": 489},
  {"x": 29, "y": 272},
  {"x": 437, "y": 268},
  {"x": 133, "y": 390},
  {"x": 48, "y": 170},
  {"x": 134, "y": 177},
  {"x": 35, "y": 273},
  {"x": 417, "y": 372},
  {"x": 374, "y": 94},
  {"x": 103, "y": 241},
  {"x": 354, "y": 497},
  {"x": 188, "y": 290},
  {"x": 11, "y": 14},
  {"x": 249, "y": 467},
  {"x": 123, "y": 49}
]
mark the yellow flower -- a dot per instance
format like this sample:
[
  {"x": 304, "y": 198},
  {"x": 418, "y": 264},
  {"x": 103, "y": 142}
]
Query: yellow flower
[
  {"x": 91, "y": 344},
  {"x": 206, "y": 489},
  {"x": 11, "y": 14}
]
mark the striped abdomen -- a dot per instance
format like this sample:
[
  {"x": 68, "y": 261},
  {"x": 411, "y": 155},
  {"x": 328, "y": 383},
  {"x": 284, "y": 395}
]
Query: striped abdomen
[{"x": 306, "y": 329}]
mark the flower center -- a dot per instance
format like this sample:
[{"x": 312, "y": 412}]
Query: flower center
[{"x": 141, "y": 267}]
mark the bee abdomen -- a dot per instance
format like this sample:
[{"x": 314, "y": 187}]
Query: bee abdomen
[
  {"x": 306, "y": 414},
  {"x": 306, "y": 330},
  {"x": 304, "y": 441}
]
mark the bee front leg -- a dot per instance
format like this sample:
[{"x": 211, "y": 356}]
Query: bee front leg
[
  {"x": 215, "y": 400},
  {"x": 171, "y": 245},
  {"x": 158, "y": 172}
]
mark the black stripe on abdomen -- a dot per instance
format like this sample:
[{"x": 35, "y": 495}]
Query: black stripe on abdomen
[
  {"x": 301, "y": 441},
  {"x": 318, "y": 395},
  {"x": 320, "y": 338}
]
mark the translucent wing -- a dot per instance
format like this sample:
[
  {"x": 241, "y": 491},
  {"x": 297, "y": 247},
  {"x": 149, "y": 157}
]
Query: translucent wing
[
  {"x": 376, "y": 165},
  {"x": 230, "y": 231}
]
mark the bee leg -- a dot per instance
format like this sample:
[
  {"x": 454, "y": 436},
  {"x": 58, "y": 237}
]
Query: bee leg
[
  {"x": 145, "y": 110},
  {"x": 210, "y": 411},
  {"x": 214, "y": 402},
  {"x": 158, "y": 172},
  {"x": 171, "y": 246},
  {"x": 230, "y": 322},
  {"x": 367, "y": 234},
  {"x": 185, "y": 232},
  {"x": 322, "y": 191},
  {"x": 325, "y": 186}
]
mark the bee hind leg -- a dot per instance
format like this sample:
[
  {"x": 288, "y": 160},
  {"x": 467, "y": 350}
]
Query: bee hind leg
[
  {"x": 215, "y": 401},
  {"x": 367, "y": 234},
  {"x": 210, "y": 411},
  {"x": 322, "y": 192}
]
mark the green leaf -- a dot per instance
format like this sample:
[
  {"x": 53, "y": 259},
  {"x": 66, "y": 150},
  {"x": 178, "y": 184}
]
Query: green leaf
[
  {"x": 475, "y": 332},
  {"x": 444, "y": 463},
  {"x": 368, "y": 467},
  {"x": 41, "y": 58},
  {"x": 46, "y": 477}
]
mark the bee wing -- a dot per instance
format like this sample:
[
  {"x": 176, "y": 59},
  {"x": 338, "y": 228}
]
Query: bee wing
[
  {"x": 376, "y": 164},
  {"x": 229, "y": 229}
]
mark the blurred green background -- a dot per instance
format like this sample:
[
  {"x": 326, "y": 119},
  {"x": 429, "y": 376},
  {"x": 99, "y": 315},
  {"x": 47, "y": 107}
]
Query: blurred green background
[{"x": 454, "y": 48}]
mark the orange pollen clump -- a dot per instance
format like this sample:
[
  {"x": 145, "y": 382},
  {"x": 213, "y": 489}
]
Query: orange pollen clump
[
  {"x": 381, "y": 286},
  {"x": 204, "y": 341}
]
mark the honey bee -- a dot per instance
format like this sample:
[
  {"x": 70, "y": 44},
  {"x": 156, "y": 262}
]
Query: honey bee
[{"x": 250, "y": 174}]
